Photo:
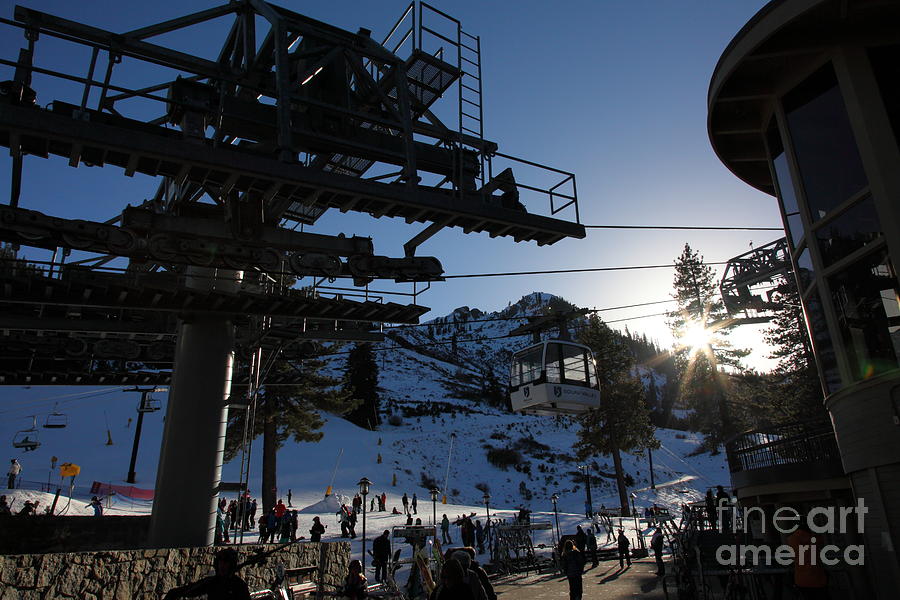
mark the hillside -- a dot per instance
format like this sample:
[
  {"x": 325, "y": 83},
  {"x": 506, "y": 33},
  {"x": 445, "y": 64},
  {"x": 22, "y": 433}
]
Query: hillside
[{"x": 431, "y": 388}]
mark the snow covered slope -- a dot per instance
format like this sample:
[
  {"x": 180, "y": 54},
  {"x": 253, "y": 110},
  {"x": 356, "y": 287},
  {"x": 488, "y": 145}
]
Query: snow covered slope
[{"x": 431, "y": 390}]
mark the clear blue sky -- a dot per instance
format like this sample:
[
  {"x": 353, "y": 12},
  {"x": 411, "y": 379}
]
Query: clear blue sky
[{"x": 614, "y": 91}]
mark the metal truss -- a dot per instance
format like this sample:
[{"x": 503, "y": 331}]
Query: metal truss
[{"x": 743, "y": 277}]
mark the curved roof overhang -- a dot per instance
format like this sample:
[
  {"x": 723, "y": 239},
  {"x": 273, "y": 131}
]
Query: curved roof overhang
[{"x": 784, "y": 38}]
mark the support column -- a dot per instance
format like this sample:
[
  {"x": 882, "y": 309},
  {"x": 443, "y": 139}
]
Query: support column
[{"x": 190, "y": 461}]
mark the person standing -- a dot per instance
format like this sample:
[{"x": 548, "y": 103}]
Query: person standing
[
  {"x": 580, "y": 539},
  {"x": 723, "y": 507},
  {"x": 316, "y": 531},
  {"x": 573, "y": 566},
  {"x": 289, "y": 497},
  {"x": 405, "y": 501},
  {"x": 383, "y": 501},
  {"x": 710, "y": 501},
  {"x": 381, "y": 553},
  {"x": 810, "y": 579},
  {"x": 445, "y": 531},
  {"x": 14, "y": 470},
  {"x": 355, "y": 582},
  {"x": 591, "y": 548},
  {"x": 656, "y": 542},
  {"x": 623, "y": 549},
  {"x": 479, "y": 537},
  {"x": 252, "y": 511},
  {"x": 226, "y": 583},
  {"x": 415, "y": 502}
]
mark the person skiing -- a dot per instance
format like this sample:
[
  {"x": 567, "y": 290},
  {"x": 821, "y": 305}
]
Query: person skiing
[
  {"x": 97, "y": 506},
  {"x": 226, "y": 583},
  {"x": 573, "y": 566},
  {"x": 623, "y": 549},
  {"x": 14, "y": 470},
  {"x": 405, "y": 501},
  {"x": 316, "y": 531},
  {"x": 656, "y": 542},
  {"x": 445, "y": 531},
  {"x": 381, "y": 554},
  {"x": 415, "y": 502}
]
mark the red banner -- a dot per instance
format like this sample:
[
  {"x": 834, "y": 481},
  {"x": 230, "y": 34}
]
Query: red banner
[{"x": 129, "y": 491}]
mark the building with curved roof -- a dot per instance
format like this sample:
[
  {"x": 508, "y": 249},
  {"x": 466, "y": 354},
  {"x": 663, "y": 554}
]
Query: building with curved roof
[{"x": 804, "y": 105}]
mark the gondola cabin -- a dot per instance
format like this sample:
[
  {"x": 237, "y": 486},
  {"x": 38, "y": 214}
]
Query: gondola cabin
[{"x": 554, "y": 377}]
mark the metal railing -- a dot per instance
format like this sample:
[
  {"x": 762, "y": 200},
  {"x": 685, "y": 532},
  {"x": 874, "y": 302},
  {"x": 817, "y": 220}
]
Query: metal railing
[{"x": 795, "y": 443}]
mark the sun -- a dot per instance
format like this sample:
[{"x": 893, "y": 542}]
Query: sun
[{"x": 695, "y": 336}]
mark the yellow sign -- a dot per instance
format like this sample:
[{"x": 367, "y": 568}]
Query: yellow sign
[{"x": 69, "y": 470}]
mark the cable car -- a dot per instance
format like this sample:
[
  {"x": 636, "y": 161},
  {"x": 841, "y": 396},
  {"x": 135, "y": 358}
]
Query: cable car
[
  {"x": 554, "y": 377},
  {"x": 56, "y": 420},
  {"x": 27, "y": 439}
]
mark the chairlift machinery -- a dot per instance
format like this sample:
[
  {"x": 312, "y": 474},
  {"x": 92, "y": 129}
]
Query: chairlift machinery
[
  {"x": 27, "y": 439},
  {"x": 747, "y": 281},
  {"x": 554, "y": 376}
]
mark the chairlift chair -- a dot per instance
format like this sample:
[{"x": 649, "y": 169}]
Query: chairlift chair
[
  {"x": 27, "y": 439},
  {"x": 554, "y": 377},
  {"x": 56, "y": 420},
  {"x": 151, "y": 405}
]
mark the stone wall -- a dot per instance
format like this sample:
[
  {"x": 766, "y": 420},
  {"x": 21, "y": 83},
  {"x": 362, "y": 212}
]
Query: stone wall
[
  {"x": 42, "y": 533},
  {"x": 149, "y": 574}
]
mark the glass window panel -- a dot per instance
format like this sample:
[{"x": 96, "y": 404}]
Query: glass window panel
[
  {"x": 793, "y": 224},
  {"x": 866, "y": 301},
  {"x": 805, "y": 272},
  {"x": 886, "y": 65},
  {"x": 821, "y": 342},
  {"x": 526, "y": 366},
  {"x": 827, "y": 157},
  {"x": 576, "y": 364},
  {"x": 849, "y": 231}
]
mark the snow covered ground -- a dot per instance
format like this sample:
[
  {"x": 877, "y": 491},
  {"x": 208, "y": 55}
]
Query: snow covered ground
[{"x": 429, "y": 398}]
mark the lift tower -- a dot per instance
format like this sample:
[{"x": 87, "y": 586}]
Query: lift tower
[{"x": 294, "y": 117}]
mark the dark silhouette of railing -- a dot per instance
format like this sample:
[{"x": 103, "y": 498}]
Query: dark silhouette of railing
[{"x": 791, "y": 444}]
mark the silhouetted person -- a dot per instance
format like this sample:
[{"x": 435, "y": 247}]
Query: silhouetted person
[{"x": 224, "y": 585}]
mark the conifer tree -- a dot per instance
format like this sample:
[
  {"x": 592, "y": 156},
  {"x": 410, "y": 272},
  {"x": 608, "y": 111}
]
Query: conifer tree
[
  {"x": 795, "y": 392},
  {"x": 285, "y": 412},
  {"x": 622, "y": 422},
  {"x": 700, "y": 311},
  {"x": 361, "y": 384}
]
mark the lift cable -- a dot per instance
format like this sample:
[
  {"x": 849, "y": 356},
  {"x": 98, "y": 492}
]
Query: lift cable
[
  {"x": 591, "y": 310},
  {"x": 563, "y": 271},
  {"x": 685, "y": 227},
  {"x": 32, "y": 403}
]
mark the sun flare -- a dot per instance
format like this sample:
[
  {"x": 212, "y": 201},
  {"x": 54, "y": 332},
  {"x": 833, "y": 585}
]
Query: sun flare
[{"x": 695, "y": 336}]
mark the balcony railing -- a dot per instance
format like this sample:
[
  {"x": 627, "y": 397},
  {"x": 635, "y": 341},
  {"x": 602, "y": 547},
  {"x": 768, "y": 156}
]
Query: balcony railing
[{"x": 792, "y": 444}]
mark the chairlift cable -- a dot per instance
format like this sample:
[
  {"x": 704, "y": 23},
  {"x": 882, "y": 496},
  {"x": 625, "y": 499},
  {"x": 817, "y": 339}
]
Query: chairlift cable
[{"x": 685, "y": 227}]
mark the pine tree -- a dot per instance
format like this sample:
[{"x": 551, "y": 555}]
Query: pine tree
[
  {"x": 794, "y": 392},
  {"x": 700, "y": 310},
  {"x": 361, "y": 384},
  {"x": 622, "y": 422},
  {"x": 287, "y": 412}
]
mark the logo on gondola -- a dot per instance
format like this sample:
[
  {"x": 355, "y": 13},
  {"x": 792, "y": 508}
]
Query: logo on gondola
[
  {"x": 557, "y": 391},
  {"x": 527, "y": 391}
]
